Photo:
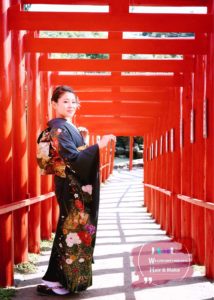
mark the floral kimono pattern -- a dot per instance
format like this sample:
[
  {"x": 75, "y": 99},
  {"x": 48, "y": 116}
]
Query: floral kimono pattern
[
  {"x": 72, "y": 253},
  {"x": 48, "y": 158}
]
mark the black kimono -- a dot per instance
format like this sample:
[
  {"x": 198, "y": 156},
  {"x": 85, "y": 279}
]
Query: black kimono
[{"x": 72, "y": 252}]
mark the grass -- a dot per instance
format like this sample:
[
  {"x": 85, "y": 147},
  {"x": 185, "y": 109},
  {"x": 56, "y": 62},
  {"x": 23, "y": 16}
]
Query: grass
[
  {"x": 46, "y": 245},
  {"x": 28, "y": 267},
  {"x": 7, "y": 293}
]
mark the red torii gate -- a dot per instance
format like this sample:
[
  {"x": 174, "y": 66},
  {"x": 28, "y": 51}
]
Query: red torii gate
[{"x": 173, "y": 112}]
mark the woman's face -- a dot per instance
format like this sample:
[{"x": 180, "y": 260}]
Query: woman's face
[{"x": 66, "y": 106}]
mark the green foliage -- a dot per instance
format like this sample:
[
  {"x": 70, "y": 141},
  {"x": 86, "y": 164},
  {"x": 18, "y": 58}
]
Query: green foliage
[
  {"x": 138, "y": 140},
  {"x": 25, "y": 268},
  {"x": 72, "y": 34},
  {"x": 46, "y": 245},
  {"x": 26, "y": 6},
  {"x": 123, "y": 141},
  {"x": 123, "y": 147},
  {"x": 79, "y": 56},
  {"x": 153, "y": 56},
  {"x": 97, "y": 56},
  {"x": 75, "y": 34},
  {"x": 167, "y": 34},
  {"x": 6, "y": 293},
  {"x": 101, "y": 35},
  {"x": 28, "y": 267}
]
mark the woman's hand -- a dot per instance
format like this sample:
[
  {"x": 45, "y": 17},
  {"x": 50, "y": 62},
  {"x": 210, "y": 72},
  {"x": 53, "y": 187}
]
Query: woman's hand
[
  {"x": 84, "y": 132},
  {"x": 105, "y": 140}
]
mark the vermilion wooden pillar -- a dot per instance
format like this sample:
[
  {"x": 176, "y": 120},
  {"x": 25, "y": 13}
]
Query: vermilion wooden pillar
[
  {"x": 152, "y": 170},
  {"x": 112, "y": 156},
  {"x": 186, "y": 164},
  {"x": 209, "y": 184},
  {"x": 162, "y": 167},
  {"x": 159, "y": 165},
  {"x": 101, "y": 165},
  {"x": 173, "y": 120},
  {"x": 198, "y": 165},
  {"x": 176, "y": 164},
  {"x": 20, "y": 169},
  {"x": 104, "y": 160},
  {"x": 46, "y": 181},
  {"x": 155, "y": 199},
  {"x": 145, "y": 163},
  {"x": 34, "y": 183},
  {"x": 105, "y": 163},
  {"x": 149, "y": 172},
  {"x": 146, "y": 169},
  {"x": 151, "y": 203},
  {"x": 6, "y": 258},
  {"x": 163, "y": 197},
  {"x": 108, "y": 159},
  {"x": 91, "y": 139}
]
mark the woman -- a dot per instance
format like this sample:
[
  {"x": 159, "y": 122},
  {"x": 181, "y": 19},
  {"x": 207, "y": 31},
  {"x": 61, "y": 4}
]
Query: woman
[{"x": 77, "y": 192}]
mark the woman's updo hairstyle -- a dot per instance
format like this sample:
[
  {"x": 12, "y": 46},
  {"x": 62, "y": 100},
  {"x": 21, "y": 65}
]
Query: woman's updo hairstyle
[{"x": 60, "y": 90}]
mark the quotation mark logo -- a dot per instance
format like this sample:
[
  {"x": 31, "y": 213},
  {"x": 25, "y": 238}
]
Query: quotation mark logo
[{"x": 147, "y": 280}]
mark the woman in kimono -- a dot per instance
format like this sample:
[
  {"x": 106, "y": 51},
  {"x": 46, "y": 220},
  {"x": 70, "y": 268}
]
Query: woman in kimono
[{"x": 77, "y": 192}]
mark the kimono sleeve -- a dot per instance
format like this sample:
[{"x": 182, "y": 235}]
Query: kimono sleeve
[{"x": 85, "y": 163}]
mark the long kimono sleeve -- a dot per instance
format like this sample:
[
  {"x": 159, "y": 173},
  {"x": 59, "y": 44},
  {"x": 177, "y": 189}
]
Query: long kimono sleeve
[{"x": 85, "y": 163}]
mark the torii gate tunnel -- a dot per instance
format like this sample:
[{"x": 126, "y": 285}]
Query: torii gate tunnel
[{"x": 125, "y": 92}]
